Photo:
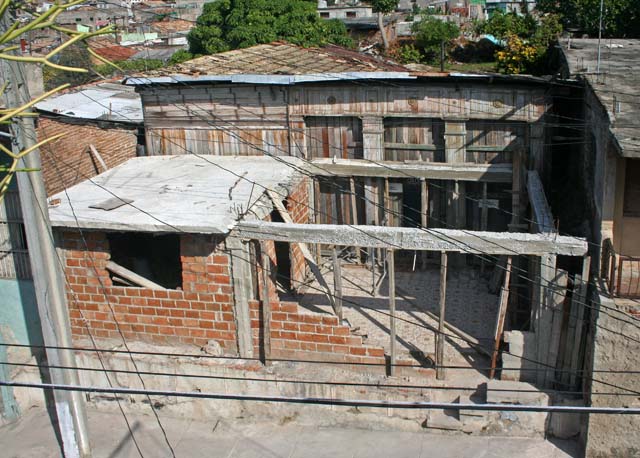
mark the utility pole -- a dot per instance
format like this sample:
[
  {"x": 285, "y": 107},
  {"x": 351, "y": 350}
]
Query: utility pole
[{"x": 45, "y": 265}]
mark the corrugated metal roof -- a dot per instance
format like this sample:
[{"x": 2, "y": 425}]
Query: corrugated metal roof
[
  {"x": 103, "y": 101},
  {"x": 175, "y": 193}
]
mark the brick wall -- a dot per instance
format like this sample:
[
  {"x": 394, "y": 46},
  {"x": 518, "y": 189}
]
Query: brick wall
[
  {"x": 298, "y": 208},
  {"x": 299, "y": 334},
  {"x": 201, "y": 311},
  {"x": 66, "y": 161},
  {"x": 302, "y": 335}
]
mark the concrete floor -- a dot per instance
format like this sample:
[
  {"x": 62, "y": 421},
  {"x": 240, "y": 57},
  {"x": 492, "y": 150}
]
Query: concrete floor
[
  {"x": 469, "y": 306},
  {"x": 33, "y": 437}
]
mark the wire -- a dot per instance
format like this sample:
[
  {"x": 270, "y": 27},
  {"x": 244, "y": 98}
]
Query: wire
[
  {"x": 312, "y": 382},
  {"x": 334, "y": 402}
]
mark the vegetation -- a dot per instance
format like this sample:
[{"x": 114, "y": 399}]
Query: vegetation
[
  {"x": 383, "y": 7},
  {"x": 9, "y": 44},
  {"x": 233, "y": 24},
  {"x": 526, "y": 38},
  {"x": 75, "y": 55},
  {"x": 430, "y": 33},
  {"x": 621, "y": 17}
]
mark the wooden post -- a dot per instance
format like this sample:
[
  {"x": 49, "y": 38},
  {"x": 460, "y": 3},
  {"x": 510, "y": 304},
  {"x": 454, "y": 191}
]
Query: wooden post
[
  {"x": 392, "y": 309},
  {"x": 502, "y": 312},
  {"x": 316, "y": 215},
  {"x": 484, "y": 218},
  {"x": 354, "y": 213},
  {"x": 337, "y": 283},
  {"x": 424, "y": 215},
  {"x": 266, "y": 305},
  {"x": 579, "y": 302},
  {"x": 440, "y": 370}
]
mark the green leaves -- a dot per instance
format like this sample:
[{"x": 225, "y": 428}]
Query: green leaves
[
  {"x": 431, "y": 32},
  {"x": 384, "y": 6},
  {"x": 621, "y": 17},
  {"x": 233, "y": 24}
]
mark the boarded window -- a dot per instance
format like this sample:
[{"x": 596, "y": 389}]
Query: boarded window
[
  {"x": 339, "y": 137},
  {"x": 156, "y": 258},
  {"x": 489, "y": 142},
  {"x": 413, "y": 139},
  {"x": 632, "y": 189}
]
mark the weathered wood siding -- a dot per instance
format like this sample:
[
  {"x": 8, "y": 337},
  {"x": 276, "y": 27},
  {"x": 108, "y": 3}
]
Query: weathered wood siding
[
  {"x": 484, "y": 135},
  {"x": 330, "y": 137},
  {"x": 401, "y": 134},
  {"x": 254, "y": 119}
]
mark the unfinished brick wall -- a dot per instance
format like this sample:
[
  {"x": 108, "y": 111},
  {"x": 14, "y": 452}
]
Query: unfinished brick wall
[
  {"x": 303, "y": 335},
  {"x": 201, "y": 311},
  {"x": 298, "y": 208},
  {"x": 67, "y": 161}
]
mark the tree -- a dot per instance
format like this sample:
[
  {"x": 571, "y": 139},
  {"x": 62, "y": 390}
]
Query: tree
[
  {"x": 383, "y": 7},
  {"x": 431, "y": 33},
  {"x": 233, "y": 24},
  {"x": 621, "y": 18}
]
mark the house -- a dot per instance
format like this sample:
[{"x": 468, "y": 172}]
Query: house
[
  {"x": 603, "y": 145},
  {"x": 102, "y": 126},
  {"x": 320, "y": 205}
]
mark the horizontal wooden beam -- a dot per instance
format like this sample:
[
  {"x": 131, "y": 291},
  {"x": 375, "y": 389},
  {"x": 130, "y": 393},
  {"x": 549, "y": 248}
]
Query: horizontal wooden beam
[
  {"x": 495, "y": 173},
  {"x": 412, "y": 146},
  {"x": 494, "y": 243}
]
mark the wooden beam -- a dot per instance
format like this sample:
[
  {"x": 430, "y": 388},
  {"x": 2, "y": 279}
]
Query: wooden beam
[
  {"x": 411, "y": 146},
  {"x": 266, "y": 305},
  {"x": 424, "y": 214},
  {"x": 494, "y": 173},
  {"x": 502, "y": 313},
  {"x": 391, "y": 267},
  {"x": 241, "y": 278},
  {"x": 582, "y": 281},
  {"x": 440, "y": 370},
  {"x": 94, "y": 152},
  {"x": 406, "y": 238},
  {"x": 540, "y": 207},
  {"x": 131, "y": 276},
  {"x": 337, "y": 283},
  {"x": 315, "y": 269}
]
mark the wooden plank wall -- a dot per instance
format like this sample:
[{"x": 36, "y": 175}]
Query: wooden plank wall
[
  {"x": 246, "y": 115},
  {"x": 329, "y": 137},
  {"x": 414, "y": 131},
  {"x": 486, "y": 134}
]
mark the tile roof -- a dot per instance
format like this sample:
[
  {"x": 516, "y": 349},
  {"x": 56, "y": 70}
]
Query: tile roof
[
  {"x": 171, "y": 26},
  {"x": 280, "y": 58}
]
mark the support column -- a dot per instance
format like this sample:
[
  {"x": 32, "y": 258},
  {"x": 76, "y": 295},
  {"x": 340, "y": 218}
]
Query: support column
[
  {"x": 392, "y": 310},
  {"x": 241, "y": 275},
  {"x": 266, "y": 305},
  {"x": 337, "y": 283},
  {"x": 373, "y": 150},
  {"x": 424, "y": 216},
  {"x": 440, "y": 370}
]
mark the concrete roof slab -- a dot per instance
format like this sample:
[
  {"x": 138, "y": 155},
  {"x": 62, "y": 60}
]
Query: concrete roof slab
[{"x": 196, "y": 194}]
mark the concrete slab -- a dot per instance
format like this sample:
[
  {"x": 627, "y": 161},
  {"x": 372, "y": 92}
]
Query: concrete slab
[
  {"x": 33, "y": 436},
  {"x": 174, "y": 193}
]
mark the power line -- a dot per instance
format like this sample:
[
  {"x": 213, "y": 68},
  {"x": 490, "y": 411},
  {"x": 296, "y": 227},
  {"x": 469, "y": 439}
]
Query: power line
[
  {"x": 311, "y": 382},
  {"x": 334, "y": 402}
]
